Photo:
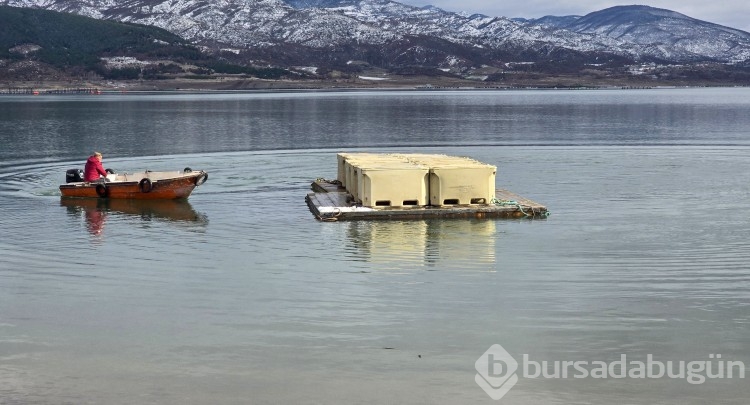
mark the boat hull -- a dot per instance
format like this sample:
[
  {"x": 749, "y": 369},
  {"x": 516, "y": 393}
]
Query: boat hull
[{"x": 158, "y": 189}]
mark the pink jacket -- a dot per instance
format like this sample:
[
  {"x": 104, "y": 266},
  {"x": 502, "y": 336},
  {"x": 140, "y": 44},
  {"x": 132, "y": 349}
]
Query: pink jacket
[{"x": 93, "y": 169}]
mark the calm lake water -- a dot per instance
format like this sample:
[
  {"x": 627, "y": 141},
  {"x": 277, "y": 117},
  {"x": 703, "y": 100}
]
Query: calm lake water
[{"x": 240, "y": 296}]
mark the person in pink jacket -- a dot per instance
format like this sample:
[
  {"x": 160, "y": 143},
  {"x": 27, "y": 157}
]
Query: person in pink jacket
[{"x": 94, "y": 168}]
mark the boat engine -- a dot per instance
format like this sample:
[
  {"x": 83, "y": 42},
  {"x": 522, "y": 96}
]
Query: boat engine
[{"x": 73, "y": 175}]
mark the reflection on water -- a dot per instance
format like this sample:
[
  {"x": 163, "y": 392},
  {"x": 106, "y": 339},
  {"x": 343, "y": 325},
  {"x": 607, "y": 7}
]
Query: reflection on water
[
  {"x": 95, "y": 211},
  {"x": 398, "y": 244},
  {"x": 471, "y": 241}
]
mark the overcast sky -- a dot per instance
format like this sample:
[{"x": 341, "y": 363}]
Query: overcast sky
[{"x": 732, "y": 13}]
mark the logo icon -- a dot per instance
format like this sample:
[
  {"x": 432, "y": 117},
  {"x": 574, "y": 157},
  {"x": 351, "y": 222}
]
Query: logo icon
[{"x": 496, "y": 372}]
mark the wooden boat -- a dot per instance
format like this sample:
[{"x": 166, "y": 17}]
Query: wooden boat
[{"x": 146, "y": 185}]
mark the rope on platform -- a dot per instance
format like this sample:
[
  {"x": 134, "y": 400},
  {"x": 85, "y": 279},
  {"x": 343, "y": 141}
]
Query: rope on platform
[
  {"x": 511, "y": 203},
  {"x": 322, "y": 180},
  {"x": 330, "y": 216}
]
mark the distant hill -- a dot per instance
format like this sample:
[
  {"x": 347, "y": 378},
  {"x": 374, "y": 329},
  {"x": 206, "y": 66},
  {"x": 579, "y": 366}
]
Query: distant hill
[
  {"x": 67, "y": 40},
  {"x": 77, "y": 44},
  {"x": 552, "y": 20},
  {"x": 660, "y": 33}
]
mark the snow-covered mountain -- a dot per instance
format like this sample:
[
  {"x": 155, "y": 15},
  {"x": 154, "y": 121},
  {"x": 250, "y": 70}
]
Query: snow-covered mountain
[
  {"x": 658, "y": 32},
  {"x": 387, "y": 33}
]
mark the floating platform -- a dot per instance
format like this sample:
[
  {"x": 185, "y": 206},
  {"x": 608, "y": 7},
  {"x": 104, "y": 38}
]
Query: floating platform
[{"x": 329, "y": 201}]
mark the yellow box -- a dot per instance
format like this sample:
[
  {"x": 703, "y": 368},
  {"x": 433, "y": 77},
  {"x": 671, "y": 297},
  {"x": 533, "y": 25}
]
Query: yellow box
[
  {"x": 415, "y": 179},
  {"x": 393, "y": 186},
  {"x": 354, "y": 161},
  {"x": 351, "y": 178},
  {"x": 456, "y": 180},
  {"x": 341, "y": 173},
  {"x": 351, "y": 163},
  {"x": 462, "y": 184}
]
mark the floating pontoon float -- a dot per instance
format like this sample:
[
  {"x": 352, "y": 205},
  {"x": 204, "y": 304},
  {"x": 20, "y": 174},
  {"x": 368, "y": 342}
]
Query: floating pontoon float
[{"x": 415, "y": 186}]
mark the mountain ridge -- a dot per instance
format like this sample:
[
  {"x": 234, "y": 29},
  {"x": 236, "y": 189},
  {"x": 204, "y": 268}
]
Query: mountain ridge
[
  {"x": 385, "y": 34},
  {"x": 649, "y": 26},
  {"x": 360, "y": 23}
]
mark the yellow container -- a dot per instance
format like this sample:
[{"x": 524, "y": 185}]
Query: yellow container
[
  {"x": 353, "y": 162},
  {"x": 462, "y": 184},
  {"x": 341, "y": 173},
  {"x": 392, "y": 185},
  {"x": 456, "y": 180},
  {"x": 415, "y": 179},
  {"x": 351, "y": 177}
]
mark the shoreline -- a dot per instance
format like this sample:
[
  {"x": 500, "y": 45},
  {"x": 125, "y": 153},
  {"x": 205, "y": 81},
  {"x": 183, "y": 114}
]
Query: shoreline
[
  {"x": 392, "y": 83},
  {"x": 54, "y": 91}
]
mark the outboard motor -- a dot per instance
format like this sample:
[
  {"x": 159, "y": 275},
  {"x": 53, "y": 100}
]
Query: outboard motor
[{"x": 74, "y": 175}]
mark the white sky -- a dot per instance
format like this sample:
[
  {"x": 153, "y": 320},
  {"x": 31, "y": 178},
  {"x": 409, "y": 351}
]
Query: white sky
[{"x": 731, "y": 13}]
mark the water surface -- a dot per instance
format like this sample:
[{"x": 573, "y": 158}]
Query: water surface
[{"x": 240, "y": 296}]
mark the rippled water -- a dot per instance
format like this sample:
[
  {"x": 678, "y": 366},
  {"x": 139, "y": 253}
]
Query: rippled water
[{"x": 240, "y": 296}]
